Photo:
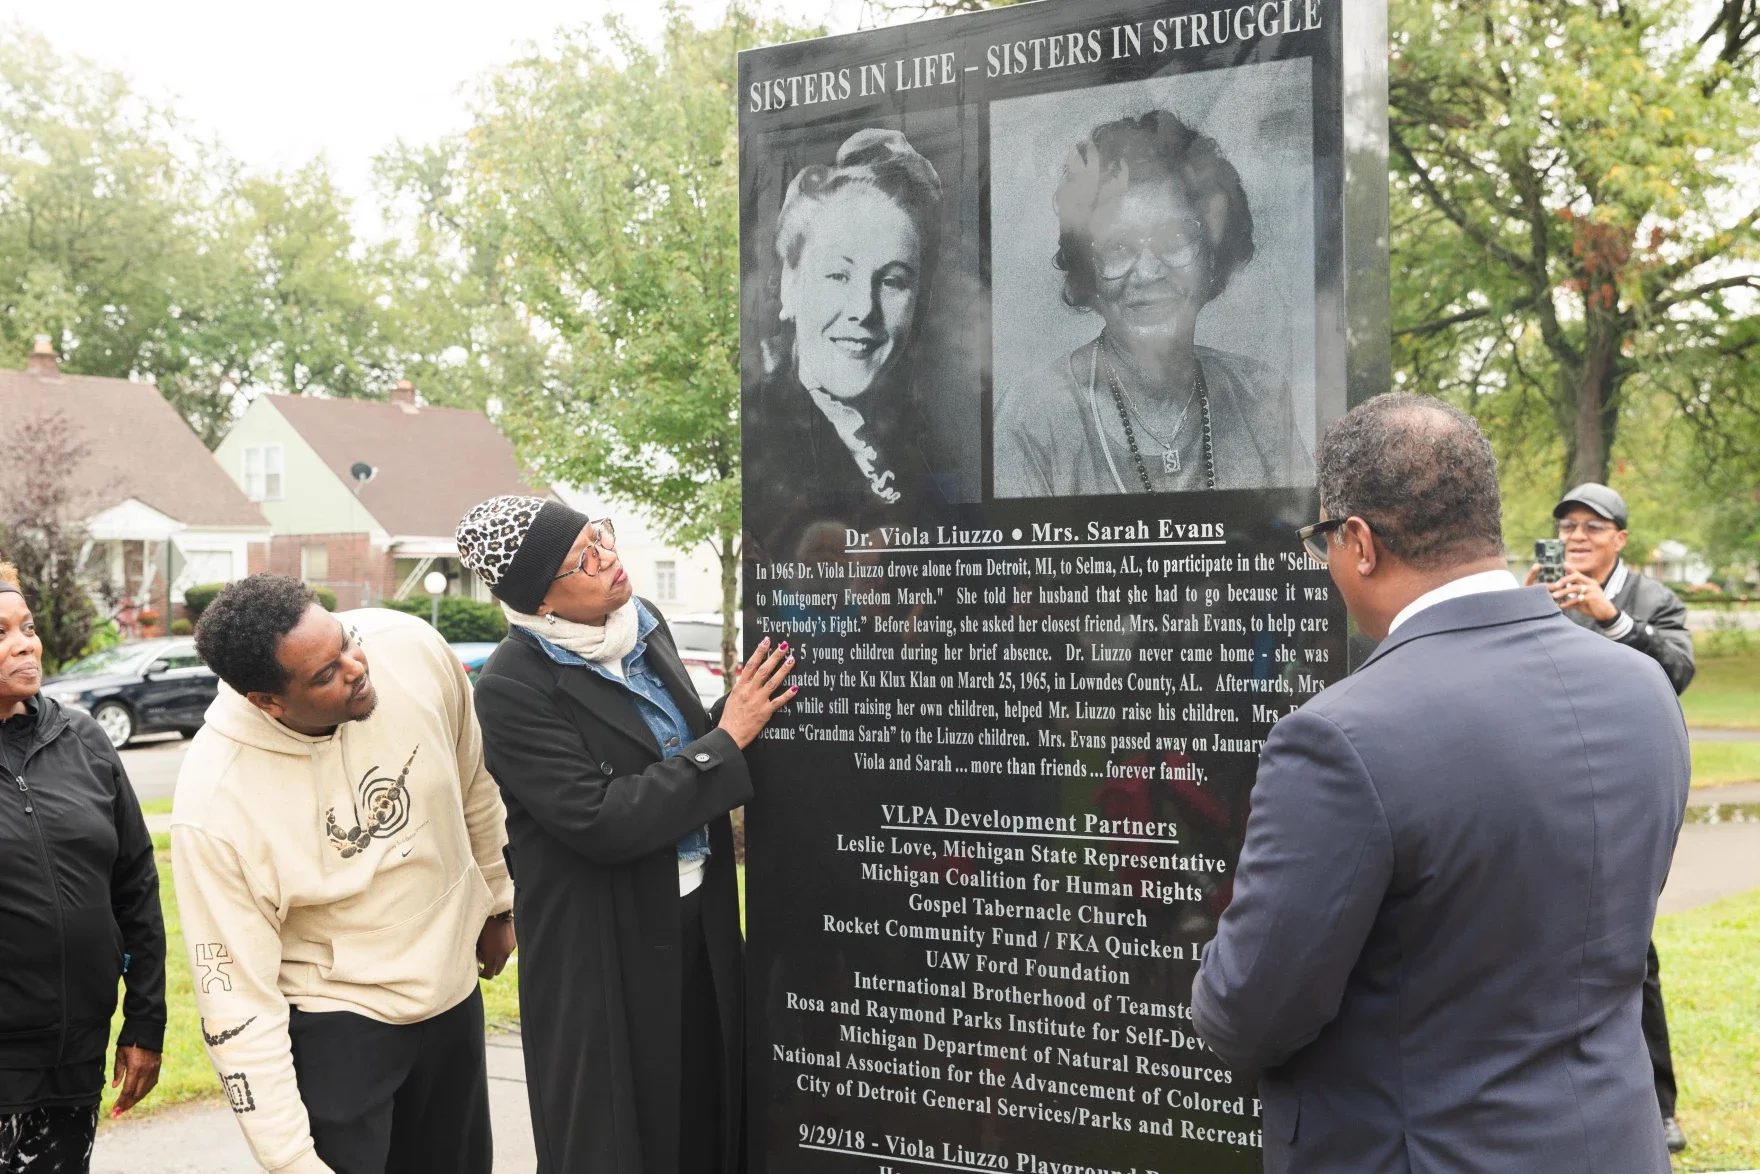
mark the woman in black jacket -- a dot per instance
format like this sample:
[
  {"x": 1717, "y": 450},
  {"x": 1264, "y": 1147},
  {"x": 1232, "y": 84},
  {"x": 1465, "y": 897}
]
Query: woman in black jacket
[
  {"x": 79, "y": 908},
  {"x": 618, "y": 791}
]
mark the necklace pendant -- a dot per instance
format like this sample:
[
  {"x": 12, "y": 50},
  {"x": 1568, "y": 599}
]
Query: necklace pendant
[{"x": 1169, "y": 462}]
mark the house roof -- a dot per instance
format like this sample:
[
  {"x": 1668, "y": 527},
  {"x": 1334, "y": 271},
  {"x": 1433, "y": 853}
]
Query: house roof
[
  {"x": 137, "y": 447},
  {"x": 433, "y": 464}
]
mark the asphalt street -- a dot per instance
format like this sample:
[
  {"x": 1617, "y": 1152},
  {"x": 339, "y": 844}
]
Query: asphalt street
[{"x": 152, "y": 766}]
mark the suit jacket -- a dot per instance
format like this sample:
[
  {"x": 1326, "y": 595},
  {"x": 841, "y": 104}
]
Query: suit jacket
[
  {"x": 594, "y": 816},
  {"x": 1436, "y": 943}
]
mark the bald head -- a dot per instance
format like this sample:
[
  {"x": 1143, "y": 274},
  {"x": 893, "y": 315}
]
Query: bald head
[{"x": 1423, "y": 476}]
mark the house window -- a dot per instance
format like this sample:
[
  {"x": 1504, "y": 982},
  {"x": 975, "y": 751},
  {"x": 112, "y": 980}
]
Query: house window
[
  {"x": 666, "y": 582},
  {"x": 314, "y": 564},
  {"x": 262, "y": 472},
  {"x": 202, "y": 567}
]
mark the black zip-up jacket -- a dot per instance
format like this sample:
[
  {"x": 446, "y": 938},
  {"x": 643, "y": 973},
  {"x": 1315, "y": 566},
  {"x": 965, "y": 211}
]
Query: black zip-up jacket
[
  {"x": 1658, "y": 628},
  {"x": 78, "y": 894}
]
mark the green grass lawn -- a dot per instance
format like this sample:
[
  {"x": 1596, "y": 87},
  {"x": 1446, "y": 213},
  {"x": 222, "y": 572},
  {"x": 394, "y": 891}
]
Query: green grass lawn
[
  {"x": 1718, "y": 764},
  {"x": 1711, "y": 979},
  {"x": 1725, "y": 693}
]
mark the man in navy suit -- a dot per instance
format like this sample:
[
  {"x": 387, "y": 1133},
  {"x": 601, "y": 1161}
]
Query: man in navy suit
[{"x": 1436, "y": 946}]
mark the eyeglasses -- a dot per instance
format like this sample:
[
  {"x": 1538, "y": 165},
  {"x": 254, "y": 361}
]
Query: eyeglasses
[
  {"x": 1177, "y": 244},
  {"x": 1594, "y": 529},
  {"x": 605, "y": 539},
  {"x": 1314, "y": 539}
]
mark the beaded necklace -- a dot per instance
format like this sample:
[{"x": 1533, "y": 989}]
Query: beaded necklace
[{"x": 1170, "y": 457}]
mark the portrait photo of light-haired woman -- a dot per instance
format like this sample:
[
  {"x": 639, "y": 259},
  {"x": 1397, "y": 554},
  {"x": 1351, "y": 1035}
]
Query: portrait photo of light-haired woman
[
  {"x": 856, "y": 248},
  {"x": 1153, "y": 224}
]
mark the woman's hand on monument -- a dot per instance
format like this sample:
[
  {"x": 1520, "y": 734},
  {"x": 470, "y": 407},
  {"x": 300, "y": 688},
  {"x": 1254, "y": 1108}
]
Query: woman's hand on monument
[{"x": 755, "y": 700}]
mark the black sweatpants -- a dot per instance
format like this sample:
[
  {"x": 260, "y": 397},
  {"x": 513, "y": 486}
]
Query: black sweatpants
[
  {"x": 48, "y": 1141},
  {"x": 396, "y": 1099},
  {"x": 699, "y": 1109},
  {"x": 1655, "y": 1021}
]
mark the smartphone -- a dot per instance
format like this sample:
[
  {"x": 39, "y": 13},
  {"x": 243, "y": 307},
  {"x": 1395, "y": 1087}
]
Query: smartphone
[{"x": 1549, "y": 556}]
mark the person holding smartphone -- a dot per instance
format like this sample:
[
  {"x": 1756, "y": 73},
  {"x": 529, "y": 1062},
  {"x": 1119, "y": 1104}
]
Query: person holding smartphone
[{"x": 1600, "y": 591}]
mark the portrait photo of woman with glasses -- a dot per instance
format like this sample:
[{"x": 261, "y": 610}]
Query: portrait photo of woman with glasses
[{"x": 1153, "y": 225}]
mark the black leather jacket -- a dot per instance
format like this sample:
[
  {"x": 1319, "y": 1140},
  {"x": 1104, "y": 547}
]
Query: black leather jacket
[
  {"x": 78, "y": 895},
  {"x": 1659, "y": 626}
]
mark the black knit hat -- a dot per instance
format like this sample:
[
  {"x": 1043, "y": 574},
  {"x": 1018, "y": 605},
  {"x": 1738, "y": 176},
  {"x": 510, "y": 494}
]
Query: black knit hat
[{"x": 516, "y": 545}]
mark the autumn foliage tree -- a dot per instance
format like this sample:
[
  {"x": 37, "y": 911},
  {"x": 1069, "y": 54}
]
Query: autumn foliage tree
[{"x": 42, "y": 533}]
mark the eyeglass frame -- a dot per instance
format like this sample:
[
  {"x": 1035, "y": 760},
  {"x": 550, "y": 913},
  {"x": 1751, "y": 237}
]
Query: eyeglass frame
[
  {"x": 607, "y": 540},
  {"x": 1593, "y": 526},
  {"x": 1307, "y": 534},
  {"x": 1145, "y": 244}
]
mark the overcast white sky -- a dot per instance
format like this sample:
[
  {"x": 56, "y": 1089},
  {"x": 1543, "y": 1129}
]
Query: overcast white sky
[{"x": 280, "y": 83}]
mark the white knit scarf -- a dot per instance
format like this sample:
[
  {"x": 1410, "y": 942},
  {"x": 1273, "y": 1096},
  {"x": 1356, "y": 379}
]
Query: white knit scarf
[{"x": 606, "y": 645}]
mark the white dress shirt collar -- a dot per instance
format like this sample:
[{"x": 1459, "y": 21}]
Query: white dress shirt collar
[{"x": 1466, "y": 585}]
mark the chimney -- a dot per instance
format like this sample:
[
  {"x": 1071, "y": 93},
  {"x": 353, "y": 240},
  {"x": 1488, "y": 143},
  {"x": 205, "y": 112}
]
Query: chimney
[
  {"x": 404, "y": 395},
  {"x": 42, "y": 358}
]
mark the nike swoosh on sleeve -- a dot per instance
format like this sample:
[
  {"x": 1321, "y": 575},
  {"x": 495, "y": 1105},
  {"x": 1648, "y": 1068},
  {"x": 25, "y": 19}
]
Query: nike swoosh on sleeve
[{"x": 215, "y": 1041}]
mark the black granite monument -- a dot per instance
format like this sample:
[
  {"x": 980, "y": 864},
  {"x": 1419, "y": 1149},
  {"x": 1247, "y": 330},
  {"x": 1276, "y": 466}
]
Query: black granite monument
[{"x": 1043, "y": 309}]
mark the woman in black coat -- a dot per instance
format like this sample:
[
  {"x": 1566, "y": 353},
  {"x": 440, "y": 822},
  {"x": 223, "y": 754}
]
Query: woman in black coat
[
  {"x": 79, "y": 909},
  {"x": 618, "y": 790}
]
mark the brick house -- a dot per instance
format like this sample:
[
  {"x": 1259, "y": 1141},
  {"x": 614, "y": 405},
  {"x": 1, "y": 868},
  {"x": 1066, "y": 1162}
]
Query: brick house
[
  {"x": 362, "y": 496},
  {"x": 161, "y": 515}
]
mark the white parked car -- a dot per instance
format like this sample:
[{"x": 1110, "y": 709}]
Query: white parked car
[{"x": 698, "y": 636}]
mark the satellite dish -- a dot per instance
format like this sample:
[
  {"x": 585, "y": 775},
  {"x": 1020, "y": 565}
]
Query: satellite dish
[{"x": 362, "y": 473}]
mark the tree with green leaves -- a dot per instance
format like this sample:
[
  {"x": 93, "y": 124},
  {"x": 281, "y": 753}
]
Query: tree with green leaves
[
  {"x": 101, "y": 228},
  {"x": 143, "y": 254},
  {"x": 1571, "y": 225},
  {"x": 598, "y": 191}
]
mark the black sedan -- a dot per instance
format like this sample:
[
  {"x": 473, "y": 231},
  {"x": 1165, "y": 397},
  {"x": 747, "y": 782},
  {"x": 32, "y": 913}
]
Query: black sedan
[{"x": 148, "y": 687}]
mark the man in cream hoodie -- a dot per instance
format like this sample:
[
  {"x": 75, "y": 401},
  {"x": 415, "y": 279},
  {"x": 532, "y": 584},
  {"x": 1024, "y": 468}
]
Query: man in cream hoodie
[{"x": 337, "y": 848}]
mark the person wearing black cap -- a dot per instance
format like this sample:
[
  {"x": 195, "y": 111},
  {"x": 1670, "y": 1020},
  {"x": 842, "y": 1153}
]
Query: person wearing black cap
[
  {"x": 1599, "y": 591},
  {"x": 79, "y": 910},
  {"x": 618, "y": 787}
]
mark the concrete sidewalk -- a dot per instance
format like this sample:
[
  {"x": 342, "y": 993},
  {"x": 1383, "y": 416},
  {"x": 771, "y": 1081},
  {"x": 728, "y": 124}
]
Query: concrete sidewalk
[{"x": 204, "y": 1139}]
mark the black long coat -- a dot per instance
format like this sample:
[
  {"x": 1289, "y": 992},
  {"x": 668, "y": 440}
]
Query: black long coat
[{"x": 594, "y": 816}]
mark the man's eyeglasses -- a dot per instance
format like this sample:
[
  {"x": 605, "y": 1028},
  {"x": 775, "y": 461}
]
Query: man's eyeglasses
[
  {"x": 1314, "y": 539},
  {"x": 592, "y": 559},
  {"x": 1177, "y": 244},
  {"x": 1593, "y": 529}
]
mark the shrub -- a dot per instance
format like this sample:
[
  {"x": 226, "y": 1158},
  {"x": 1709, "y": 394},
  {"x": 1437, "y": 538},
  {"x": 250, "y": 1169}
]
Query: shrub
[
  {"x": 326, "y": 597},
  {"x": 104, "y": 635},
  {"x": 197, "y": 599},
  {"x": 461, "y": 620},
  {"x": 182, "y": 627}
]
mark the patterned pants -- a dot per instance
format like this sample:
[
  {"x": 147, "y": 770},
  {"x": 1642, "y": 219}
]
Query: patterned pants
[{"x": 48, "y": 1141}]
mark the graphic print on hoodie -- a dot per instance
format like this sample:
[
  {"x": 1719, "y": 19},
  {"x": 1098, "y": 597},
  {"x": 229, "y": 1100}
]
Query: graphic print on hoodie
[
  {"x": 351, "y": 872},
  {"x": 386, "y": 802}
]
